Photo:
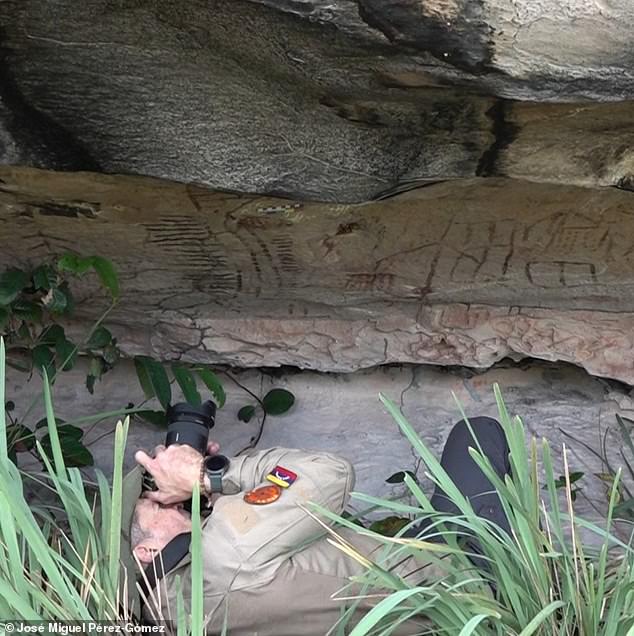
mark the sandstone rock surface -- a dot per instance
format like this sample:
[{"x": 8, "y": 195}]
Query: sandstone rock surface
[
  {"x": 341, "y": 413},
  {"x": 336, "y": 101},
  {"x": 456, "y": 273}
]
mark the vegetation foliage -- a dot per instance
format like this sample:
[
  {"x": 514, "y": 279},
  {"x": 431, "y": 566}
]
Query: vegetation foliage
[
  {"x": 542, "y": 579},
  {"x": 34, "y": 305},
  {"x": 57, "y": 562}
]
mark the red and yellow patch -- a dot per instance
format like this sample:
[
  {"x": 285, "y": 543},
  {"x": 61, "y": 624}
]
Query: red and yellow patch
[
  {"x": 282, "y": 477},
  {"x": 263, "y": 495}
]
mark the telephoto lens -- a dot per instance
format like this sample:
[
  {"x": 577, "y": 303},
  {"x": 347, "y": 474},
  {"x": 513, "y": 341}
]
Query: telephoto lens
[{"x": 189, "y": 424}]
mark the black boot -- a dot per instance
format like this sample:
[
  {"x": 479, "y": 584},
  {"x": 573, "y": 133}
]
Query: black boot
[{"x": 466, "y": 474}]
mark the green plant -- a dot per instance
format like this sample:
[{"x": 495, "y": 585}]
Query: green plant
[
  {"x": 32, "y": 302},
  {"x": 56, "y": 561},
  {"x": 33, "y": 305},
  {"x": 275, "y": 402},
  {"x": 540, "y": 580},
  {"x": 156, "y": 383}
]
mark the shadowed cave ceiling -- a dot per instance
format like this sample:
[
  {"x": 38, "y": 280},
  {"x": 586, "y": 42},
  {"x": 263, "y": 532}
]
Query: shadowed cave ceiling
[{"x": 332, "y": 185}]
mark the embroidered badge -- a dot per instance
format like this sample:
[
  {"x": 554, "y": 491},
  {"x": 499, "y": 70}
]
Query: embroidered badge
[
  {"x": 282, "y": 477},
  {"x": 263, "y": 495}
]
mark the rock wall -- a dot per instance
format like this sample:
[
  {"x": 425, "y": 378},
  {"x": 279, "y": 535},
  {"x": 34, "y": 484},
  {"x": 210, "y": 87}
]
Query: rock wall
[
  {"x": 456, "y": 273},
  {"x": 428, "y": 179},
  {"x": 342, "y": 414},
  {"x": 337, "y": 101}
]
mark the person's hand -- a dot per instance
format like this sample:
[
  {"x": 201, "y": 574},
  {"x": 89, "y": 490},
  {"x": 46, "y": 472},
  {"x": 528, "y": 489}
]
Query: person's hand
[{"x": 175, "y": 469}]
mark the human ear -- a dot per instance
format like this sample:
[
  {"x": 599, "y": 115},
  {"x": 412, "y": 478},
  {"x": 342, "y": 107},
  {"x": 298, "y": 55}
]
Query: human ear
[{"x": 143, "y": 554}]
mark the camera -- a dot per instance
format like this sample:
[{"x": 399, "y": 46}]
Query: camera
[{"x": 187, "y": 424}]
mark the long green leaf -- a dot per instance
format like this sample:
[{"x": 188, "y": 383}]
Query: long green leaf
[
  {"x": 157, "y": 377},
  {"x": 436, "y": 470},
  {"x": 114, "y": 544},
  {"x": 471, "y": 625},
  {"x": 212, "y": 382},
  {"x": 3, "y": 415},
  {"x": 144, "y": 377},
  {"x": 187, "y": 384},
  {"x": 197, "y": 608},
  {"x": 108, "y": 275},
  {"x": 58, "y": 457},
  {"x": 382, "y": 609},
  {"x": 540, "y": 617},
  {"x": 12, "y": 281}
]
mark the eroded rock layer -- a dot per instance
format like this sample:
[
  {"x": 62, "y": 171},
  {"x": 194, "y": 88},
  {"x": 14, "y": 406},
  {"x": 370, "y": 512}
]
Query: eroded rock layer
[
  {"x": 338, "y": 101},
  {"x": 464, "y": 272}
]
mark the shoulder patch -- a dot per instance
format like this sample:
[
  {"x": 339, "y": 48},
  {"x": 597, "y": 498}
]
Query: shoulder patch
[
  {"x": 282, "y": 477},
  {"x": 263, "y": 495}
]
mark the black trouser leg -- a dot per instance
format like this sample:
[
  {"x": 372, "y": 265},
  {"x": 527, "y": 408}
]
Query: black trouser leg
[{"x": 466, "y": 474}]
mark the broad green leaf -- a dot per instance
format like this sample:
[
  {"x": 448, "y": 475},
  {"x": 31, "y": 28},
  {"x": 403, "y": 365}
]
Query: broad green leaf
[
  {"x": 74, "y": 452},
  {"x": 70, "y": 300},
  {"x": 278, "y": 401},
  {"x": 12, "y": 282},
  {"x": 106, "y": 272},
  {"x": 74, "y": 264},
  {"x": 56, "y": 301},
  {"x": 19, "y": 364},
  {"x": 52, "y": 335},
  {"x": 99, "y": 338},
  {"x": 158, "y": 418},
  {"x": 212, "y": 382},
  {"x": 560, "y": 482},
  {"x": 158, "y": 379},
  {"x": 44, "y": 277},
  {"x": 24, "y": 333},
  {"x": 67, "y": 431},
  {"x": 44, "y": 359},
  {"x": 44, "y": 422},
  {"x": 246, "y": 413},
  {"x": 144, "y": 377},
  {"x": 27, "y": 310},
  {"x": 66, "y": 354},
  {"x": 4, "y": 317},
  {"x": 187, "y": 384}
]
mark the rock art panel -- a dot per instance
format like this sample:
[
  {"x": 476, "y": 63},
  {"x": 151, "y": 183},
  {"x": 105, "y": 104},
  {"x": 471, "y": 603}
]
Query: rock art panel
[{"x": 454, "y": 273}]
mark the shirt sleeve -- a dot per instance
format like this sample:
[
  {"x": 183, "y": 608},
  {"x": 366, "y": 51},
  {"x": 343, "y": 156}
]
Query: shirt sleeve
[{"x": 246, "y": 543}]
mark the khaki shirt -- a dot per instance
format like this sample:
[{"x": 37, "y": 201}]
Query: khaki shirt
[{"x": 254, "y": 575}]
